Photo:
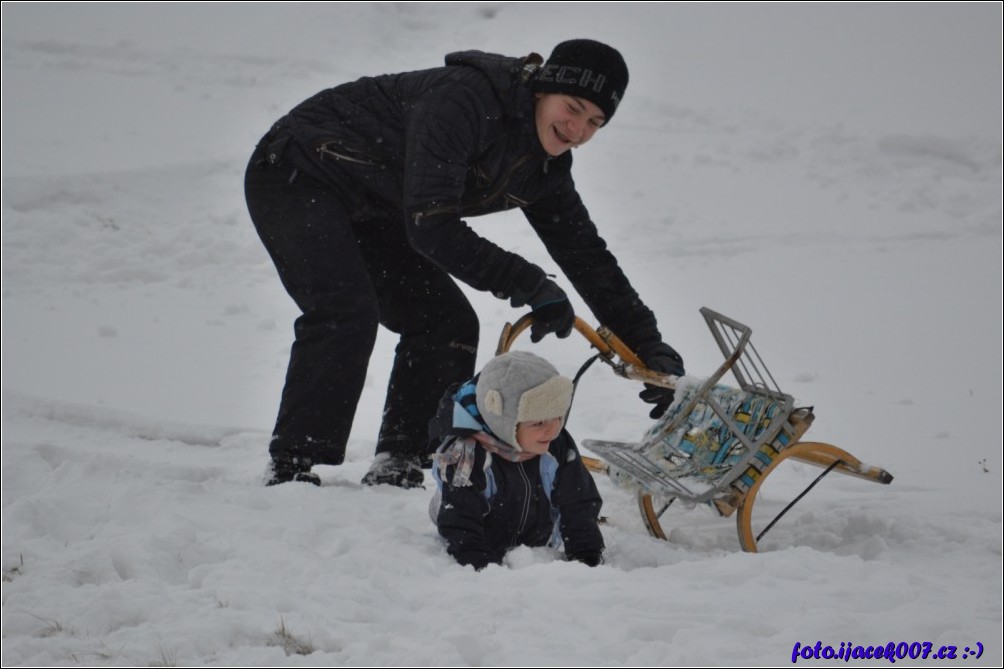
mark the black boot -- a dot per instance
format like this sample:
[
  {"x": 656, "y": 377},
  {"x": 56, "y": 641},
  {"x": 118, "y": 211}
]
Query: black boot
[
  {"x": 286, "y": 468},
  {"x": 399, "y": 469}
]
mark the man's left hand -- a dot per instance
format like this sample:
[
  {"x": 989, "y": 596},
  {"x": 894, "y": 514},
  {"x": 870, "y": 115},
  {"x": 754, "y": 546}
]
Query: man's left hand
[{"x": 662, "y": 358}]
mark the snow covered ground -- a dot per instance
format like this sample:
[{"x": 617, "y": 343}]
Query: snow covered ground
[{"x": 828, "y": 174}]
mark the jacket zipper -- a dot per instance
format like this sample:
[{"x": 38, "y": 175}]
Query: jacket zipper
[
  {"x": 525, "y": 515},
  {"x": 326, "y": 150},
  {"x": 491, "y": 198}
]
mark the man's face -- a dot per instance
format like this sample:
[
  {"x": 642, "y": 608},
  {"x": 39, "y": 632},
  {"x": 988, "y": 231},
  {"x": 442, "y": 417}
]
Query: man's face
[{"x": 565, "y": 121}]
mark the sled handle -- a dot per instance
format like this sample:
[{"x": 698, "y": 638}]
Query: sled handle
[{"x": 603, "y": 340}]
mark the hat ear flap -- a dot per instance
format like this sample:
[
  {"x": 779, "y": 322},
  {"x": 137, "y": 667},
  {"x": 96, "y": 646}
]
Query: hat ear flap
[{"x": 493, "y": 402}]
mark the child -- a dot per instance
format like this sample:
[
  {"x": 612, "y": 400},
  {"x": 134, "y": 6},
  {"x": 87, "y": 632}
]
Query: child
[{"x": 508, "y": 473}]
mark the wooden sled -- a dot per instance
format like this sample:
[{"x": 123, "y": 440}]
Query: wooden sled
[{"x": 717, "y": 444}]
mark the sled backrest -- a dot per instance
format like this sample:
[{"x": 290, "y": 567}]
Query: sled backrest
[{"x": 712, "y": 434}]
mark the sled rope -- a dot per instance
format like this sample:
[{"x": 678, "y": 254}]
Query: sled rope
[{"x": 575, "y": 382}]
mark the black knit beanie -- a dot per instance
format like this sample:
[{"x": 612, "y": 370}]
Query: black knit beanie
[{"x": 586, "y": 69}]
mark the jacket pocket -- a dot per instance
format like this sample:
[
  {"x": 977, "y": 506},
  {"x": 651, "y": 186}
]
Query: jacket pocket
[{"x": 276, "y": 149}]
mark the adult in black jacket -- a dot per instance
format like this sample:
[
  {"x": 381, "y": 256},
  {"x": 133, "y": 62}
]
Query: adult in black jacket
[{"x": 359, "y": 195}]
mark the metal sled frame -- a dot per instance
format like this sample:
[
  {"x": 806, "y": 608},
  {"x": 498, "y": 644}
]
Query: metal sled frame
[{"x": 735, "y": 489}]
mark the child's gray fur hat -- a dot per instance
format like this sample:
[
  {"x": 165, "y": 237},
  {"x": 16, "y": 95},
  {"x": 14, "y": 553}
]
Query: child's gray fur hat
[{"x": 518, "y": 387}]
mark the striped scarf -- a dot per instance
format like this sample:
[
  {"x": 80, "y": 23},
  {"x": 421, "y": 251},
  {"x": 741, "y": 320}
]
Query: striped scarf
[{"x": 461, "y": 452}]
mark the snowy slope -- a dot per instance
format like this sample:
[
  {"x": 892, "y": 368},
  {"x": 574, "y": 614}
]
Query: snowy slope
[{"x": 830, "y": 175}]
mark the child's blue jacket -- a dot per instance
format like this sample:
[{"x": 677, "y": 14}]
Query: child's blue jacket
[{"x": 548, "y": 500}]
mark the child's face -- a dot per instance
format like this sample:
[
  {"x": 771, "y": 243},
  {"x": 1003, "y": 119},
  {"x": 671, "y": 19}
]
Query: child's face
[
  {"x": 535, "y": 437},
  {"x": 564, "y": 121}
]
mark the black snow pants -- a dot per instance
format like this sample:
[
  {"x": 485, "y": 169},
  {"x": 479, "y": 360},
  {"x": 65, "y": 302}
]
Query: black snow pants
[{"x": 348, "y": 271}]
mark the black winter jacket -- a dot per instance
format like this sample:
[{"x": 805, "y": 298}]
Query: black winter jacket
[
  {"x": 433, "y": 146},
  {"x": 498, "y": 504},
  {"x": 507, "y": 505}
]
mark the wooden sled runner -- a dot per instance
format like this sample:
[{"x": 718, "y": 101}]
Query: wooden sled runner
[{"x": 716, "y": 445}]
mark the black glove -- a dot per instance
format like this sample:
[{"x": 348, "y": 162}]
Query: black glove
[
  {"x": 591, "y": 558},
  {"x": 552, "y": 312},
  {"x": 660, "y": 357}
]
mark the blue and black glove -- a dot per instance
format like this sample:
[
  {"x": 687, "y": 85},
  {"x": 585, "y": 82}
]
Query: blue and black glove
[
  {"x": 552, "y": 312},
  {"x": 662, "y": 358}
]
